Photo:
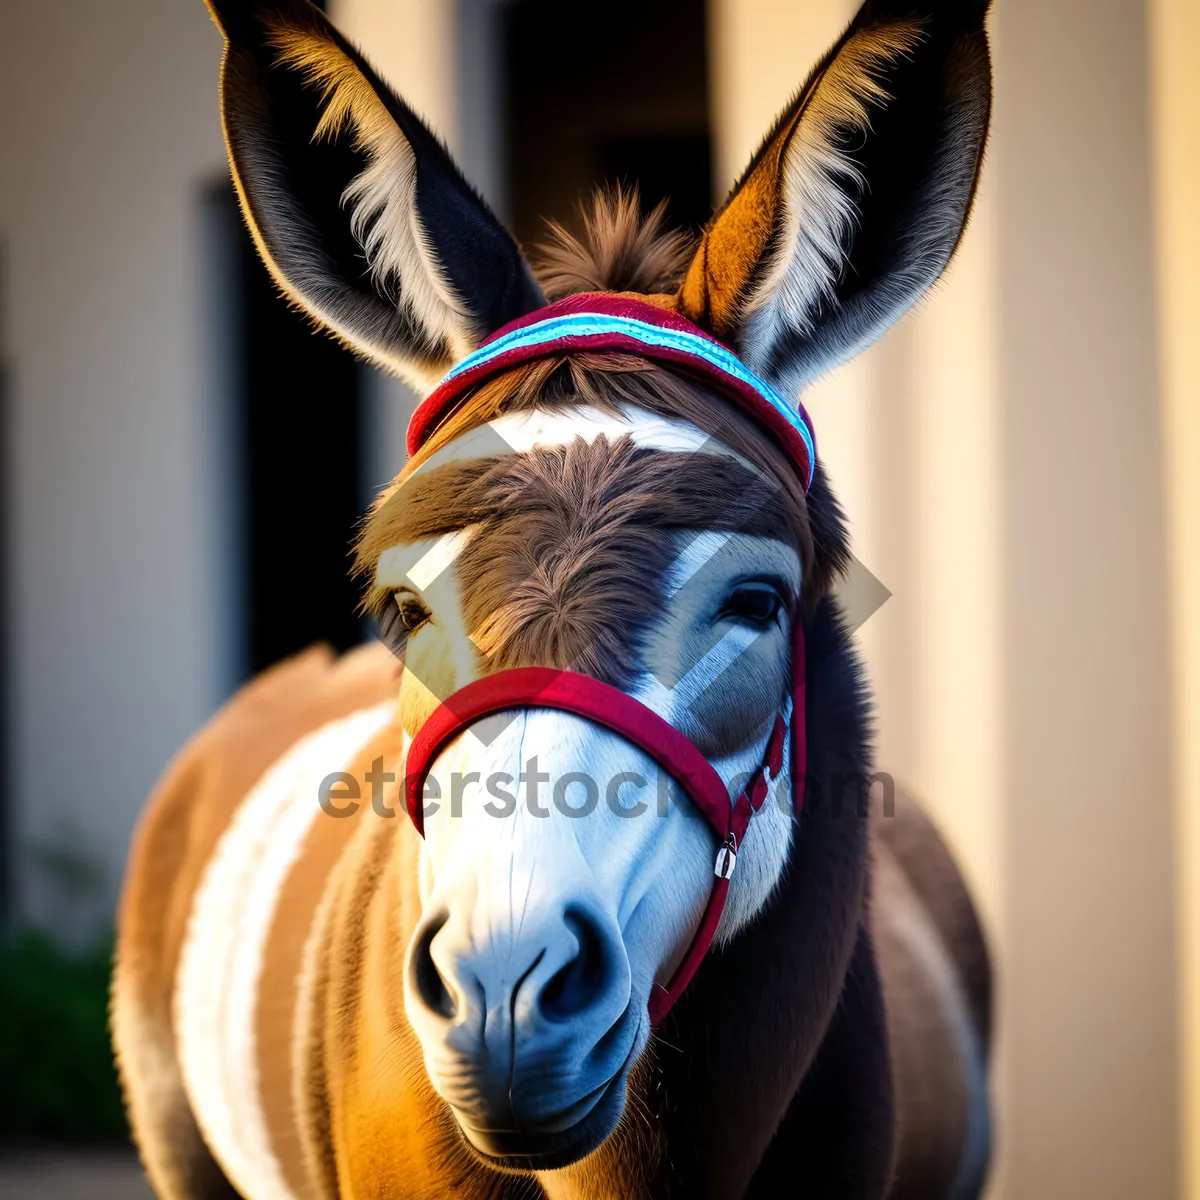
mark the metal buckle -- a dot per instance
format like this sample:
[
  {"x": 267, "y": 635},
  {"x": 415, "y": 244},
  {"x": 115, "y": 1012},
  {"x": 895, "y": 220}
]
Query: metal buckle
[{"x": 726, "y": 858}]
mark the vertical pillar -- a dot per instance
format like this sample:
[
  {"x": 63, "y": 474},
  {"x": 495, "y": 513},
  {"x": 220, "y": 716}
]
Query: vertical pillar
[
  {"x": 413, "y": 45},
  {"x": 1175, "y": 99},
  {"x": 1091, "y": 960}
]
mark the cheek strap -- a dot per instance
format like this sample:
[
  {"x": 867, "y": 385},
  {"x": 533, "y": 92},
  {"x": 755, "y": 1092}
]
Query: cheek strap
[{"x": 566, "y": 691}]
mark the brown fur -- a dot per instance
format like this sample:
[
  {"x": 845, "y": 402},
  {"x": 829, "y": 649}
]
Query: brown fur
[
  {"x": 180, "y": 827},
  {"x": 913, "y": 840},
  {"x": 283, "y": 957}
]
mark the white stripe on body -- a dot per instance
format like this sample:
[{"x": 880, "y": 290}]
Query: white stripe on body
[{"x": 216, "y": 992}]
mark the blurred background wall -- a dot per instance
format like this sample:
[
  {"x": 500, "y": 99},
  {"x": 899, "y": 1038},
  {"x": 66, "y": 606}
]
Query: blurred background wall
[
  {"x": 116, "y": 575},
  {"x": 1018, "y": 461}
]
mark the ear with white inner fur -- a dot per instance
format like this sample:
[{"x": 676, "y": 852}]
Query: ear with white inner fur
[
  {"x": 357, "y": 209},
  {"x": 857, "y": 198}
]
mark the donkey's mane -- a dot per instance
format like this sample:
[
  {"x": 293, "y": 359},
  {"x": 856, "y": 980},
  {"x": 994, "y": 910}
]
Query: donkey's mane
[{"x": 621, "y": 249}]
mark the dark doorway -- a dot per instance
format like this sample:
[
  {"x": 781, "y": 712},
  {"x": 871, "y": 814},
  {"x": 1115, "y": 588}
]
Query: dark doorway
[
  {"x": 295, "y": 424},
  {"x": 611, "y": 92}
]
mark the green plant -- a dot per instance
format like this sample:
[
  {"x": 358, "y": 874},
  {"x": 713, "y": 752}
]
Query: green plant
[{"x": 57, "y": 1077}]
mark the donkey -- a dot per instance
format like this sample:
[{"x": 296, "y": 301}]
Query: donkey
[{"x": 608, "y": 567}]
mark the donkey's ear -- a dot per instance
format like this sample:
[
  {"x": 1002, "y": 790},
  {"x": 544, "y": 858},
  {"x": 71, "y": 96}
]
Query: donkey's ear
[
  {"x": 855, "y": 202},
  {"x": 357, "y": 209}
]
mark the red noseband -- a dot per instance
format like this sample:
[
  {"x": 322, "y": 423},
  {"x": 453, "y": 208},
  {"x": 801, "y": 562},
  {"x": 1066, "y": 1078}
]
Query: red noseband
[{"x": 544, "y": 687}]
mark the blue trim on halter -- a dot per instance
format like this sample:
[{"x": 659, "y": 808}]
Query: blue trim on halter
[{"x": 596, "y": 324}]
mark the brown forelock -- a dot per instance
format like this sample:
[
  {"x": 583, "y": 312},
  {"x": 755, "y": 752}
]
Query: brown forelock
[{"x": 570, "y": 544}]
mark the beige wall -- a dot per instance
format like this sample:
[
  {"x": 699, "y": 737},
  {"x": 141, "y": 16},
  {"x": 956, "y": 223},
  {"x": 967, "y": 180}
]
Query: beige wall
[
  {"x": 1092, "y": 1003},
  {"x": 118, "y": 644},
  {"x": 999, "y": 457}
]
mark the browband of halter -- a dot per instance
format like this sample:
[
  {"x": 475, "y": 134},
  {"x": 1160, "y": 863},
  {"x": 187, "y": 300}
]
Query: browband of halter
[
  {"x": 566, "y": 691},
  {"x": 598, "y": 323},
  {"x": 602, "y": 323}
]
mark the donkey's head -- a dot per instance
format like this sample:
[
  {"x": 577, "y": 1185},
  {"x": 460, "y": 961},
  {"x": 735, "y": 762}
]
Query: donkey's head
[{"x": 599, "y": 513}]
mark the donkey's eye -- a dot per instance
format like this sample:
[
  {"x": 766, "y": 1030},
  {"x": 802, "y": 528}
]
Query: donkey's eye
[
  {"x": 413, "y": 614},
  {"x": 756, "y": 604}
]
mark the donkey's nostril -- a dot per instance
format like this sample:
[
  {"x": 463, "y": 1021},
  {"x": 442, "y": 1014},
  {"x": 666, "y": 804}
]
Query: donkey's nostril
[
  {"x": 425, "y": 977},
  {"x": 575, "y": 986}
]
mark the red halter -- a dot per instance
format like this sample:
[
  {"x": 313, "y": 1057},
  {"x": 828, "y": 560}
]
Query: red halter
[
  {"x": 545, "y": 687},
  {"x": 566, "y": 691}
]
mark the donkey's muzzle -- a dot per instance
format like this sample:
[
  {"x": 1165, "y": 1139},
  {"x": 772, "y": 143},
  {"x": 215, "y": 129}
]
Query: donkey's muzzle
[
  {"x": 528, "y": 1034},
  {"x": 586, "y": 954},
  {"x": 562, "y": 1141}
]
